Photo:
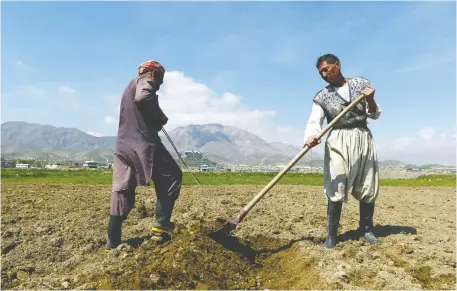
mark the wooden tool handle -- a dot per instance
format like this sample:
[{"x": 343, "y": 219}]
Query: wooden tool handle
[{"x": 305, "y": 149}]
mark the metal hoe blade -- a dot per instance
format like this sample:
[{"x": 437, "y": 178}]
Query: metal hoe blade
[{"x": 231, "y": 225}]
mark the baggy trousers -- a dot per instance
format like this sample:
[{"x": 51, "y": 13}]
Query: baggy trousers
[
  {"x": 350, "y": 161},
  {"x": 167, "y": 178}
]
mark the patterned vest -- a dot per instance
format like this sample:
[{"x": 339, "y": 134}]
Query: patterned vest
[{"x": 332, "y": 104}]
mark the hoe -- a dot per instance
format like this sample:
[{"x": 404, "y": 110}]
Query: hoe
[
  {"x": 176, "y": 150},
  {"x": 231, "y": 225}
]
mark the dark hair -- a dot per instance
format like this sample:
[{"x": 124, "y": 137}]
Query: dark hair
[{"x": 329, "y": 58}]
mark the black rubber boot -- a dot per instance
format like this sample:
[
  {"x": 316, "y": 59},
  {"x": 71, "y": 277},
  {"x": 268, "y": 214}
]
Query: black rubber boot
[
  {"x": 164, "y": 208},
  {"x": 333, "y": 220},
  {"x": 366, "y": 222},
  {"x": 114, "y": 232}
]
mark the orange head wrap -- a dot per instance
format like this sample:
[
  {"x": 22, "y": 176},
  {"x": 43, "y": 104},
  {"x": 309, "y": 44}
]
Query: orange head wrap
[{"x": 153, "y": 66}]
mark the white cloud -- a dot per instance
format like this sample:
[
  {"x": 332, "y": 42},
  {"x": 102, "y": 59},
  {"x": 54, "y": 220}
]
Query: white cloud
[
  {"x": 427, "y": 132},
  {"x": 110, "y": 120},
  {"x": 186, "y": 101},
  {"x": 66, "y": 90},
  {"x": 426, "y": 146},
  {"x": 97, "y": 134},
  {"x": 20, "y": 64},
  {"x": 425, "y": 139}
]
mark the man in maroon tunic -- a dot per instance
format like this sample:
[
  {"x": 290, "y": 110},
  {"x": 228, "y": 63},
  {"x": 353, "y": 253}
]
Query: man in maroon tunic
[{"x": 140, "y": 154}]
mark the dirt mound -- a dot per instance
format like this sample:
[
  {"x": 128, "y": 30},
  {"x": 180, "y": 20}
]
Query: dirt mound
[{"x": 196, "y": 259}]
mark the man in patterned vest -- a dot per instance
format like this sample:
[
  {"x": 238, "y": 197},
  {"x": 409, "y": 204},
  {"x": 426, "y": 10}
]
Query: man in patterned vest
[{"x": 350, "y": 159}]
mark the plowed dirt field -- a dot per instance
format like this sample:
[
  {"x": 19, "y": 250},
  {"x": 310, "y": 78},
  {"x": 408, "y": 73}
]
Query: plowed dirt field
[{"x": 53, "y": 237}]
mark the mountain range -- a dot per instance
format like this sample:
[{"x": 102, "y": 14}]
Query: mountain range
[{"x": 219, "y": 143}]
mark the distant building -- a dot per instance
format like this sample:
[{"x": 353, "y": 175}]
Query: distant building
[
  {"x": 22, "y": 166},
  {"x": 90, "y": 164},
  {"x": 105, "y": 166},
  {"x": 51, "y": 167},
  {"x": 203, "y": 168}
]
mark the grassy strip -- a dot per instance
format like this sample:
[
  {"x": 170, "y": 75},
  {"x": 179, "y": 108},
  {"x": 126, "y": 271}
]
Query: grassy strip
[{"x": 225, "y": 178}]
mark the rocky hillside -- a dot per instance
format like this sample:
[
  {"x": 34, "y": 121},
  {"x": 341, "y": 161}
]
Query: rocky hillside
[{"x": 222, "y": 144}]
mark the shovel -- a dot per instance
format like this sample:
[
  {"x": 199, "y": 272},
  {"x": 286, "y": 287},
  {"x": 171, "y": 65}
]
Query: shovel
[{"x": 232, "y": 225}]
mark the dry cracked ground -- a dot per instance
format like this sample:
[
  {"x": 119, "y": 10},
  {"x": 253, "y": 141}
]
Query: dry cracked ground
[{"x": 53, "y": 237}]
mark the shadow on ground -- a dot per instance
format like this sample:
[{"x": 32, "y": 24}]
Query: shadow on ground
[
  {"x": 245, "y": 248},
  {"x": 379, "y": 231}
]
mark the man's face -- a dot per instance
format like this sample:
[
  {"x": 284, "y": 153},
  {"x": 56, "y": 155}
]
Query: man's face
[
  {"x": 329, "y": 72},
  {"x": 157, "y": 77}
]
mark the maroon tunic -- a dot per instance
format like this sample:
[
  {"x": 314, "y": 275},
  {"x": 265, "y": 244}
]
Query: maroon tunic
[{"x": 139, "y": 122}]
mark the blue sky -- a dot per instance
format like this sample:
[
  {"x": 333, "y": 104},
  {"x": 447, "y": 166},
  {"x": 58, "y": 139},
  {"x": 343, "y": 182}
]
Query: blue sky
[{"x": 247, "y": 64}]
